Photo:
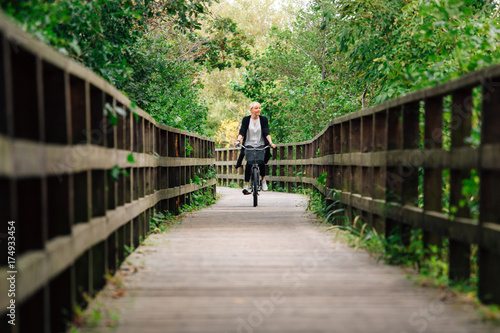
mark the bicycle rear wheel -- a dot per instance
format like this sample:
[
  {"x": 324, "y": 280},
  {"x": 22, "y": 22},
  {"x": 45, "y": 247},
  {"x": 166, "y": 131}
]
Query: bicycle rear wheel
[{"x": 255, "y": 185}]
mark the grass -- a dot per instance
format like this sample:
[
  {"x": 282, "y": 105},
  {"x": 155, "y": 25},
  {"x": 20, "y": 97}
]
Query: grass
[
  {"x": 234, "y": 184},
  {"x": 162, "y": 221},
  {"x": 199, "y": 199},
  {"x": 96, "y": 315}
]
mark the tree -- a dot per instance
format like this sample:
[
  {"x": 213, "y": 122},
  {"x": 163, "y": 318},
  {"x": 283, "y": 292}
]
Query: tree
[
  {"x": 340, "y": 56},
  {"x": 152, "y": 50},
  {"x": 254, "y": 19},
  {"x": 295, "y": 75}
]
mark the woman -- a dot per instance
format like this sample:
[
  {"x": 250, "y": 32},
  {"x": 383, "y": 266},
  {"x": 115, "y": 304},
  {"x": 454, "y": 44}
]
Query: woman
[{"x": 254, "y": 131}]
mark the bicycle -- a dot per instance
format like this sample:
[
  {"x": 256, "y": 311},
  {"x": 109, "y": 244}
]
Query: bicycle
[{"x": 255, "y": 156}]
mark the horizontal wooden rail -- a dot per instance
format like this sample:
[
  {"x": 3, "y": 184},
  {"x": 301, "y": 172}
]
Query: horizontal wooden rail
[
  {"x": 78, "y": 188},
  {"x": 401, "y": 165},
  {"x": 462, "y": 158}
]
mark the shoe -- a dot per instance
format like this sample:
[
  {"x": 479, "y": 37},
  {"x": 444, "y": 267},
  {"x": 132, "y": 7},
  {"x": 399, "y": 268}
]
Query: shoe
[
  {"x": 264, "y": 186},
  {"x": 245, "y": 191}
]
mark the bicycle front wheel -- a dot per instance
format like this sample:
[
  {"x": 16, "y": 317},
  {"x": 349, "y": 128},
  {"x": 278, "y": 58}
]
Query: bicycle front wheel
[{"x": 255, "y": 185}]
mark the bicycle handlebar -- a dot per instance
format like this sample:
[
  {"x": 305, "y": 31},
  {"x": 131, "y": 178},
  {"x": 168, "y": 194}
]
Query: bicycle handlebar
[{"x": 253, "y": 148}]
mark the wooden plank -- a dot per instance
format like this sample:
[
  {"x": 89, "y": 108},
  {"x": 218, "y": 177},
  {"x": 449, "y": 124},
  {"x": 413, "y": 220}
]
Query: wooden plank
[
  {"x": 490, "y": 234},
  {"x": 236, "y": 268},
  {"x": 490, "y": 156}
]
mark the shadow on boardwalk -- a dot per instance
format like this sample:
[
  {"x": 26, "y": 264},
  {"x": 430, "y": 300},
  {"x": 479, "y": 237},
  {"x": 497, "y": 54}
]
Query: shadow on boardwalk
[{"x": 235, "y": 268}]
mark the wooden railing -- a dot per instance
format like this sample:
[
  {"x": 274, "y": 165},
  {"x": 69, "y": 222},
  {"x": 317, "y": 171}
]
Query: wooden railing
[
  {"x": 403, "y": 164},
  {"x": 69, "y": 219}
]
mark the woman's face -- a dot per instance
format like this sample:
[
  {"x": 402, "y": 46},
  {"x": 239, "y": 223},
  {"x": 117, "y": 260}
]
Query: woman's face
[{"x": 255, "y": 111}]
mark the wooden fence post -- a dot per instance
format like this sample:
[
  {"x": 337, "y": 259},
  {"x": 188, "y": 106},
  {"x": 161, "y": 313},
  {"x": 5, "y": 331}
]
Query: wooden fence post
[
  {"x": 394, "y": 181},
  {"x": 461, "y": 126},
  {"x": 433, "y": 178},
  {"x": 489, "y": 192},
  {"x": 290, "y": 171}
]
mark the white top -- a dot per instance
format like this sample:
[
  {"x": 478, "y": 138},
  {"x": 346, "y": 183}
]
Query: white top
[{"x": 254, "y": 133}]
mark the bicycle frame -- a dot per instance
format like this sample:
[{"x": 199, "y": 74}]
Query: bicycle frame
[{"x": 255, "y": 175}]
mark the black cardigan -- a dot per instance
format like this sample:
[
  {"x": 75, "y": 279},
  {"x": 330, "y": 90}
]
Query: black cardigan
[{"x": 264, "y": 124}]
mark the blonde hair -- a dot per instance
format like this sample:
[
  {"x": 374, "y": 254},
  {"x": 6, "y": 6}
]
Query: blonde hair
[{"x": 254, "y": 104}]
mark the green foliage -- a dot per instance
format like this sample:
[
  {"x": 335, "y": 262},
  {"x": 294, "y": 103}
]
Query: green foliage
[
  {"x": 97, "y": 33},
  {"x": 334, "y": 59},
  {"x": 116, "y": 172},
  {"x": 258, "y": 88},
  {"x": 189, "y": 149},
  {"x": 228, "y": 46},
  {"x": 160, "y": 222},
  {"x": 435, "y": 264},
  {"x": 183, "y": 15},
  {"x": 276, "y": 188},
  {"x": 397, "y": 251},
  {"x": 340, "y": 56},
  {"x": 200, "y": 199},
  {"x": 113, "y": 113},
  {"x": 315, "y": 203},
  {"x": 203, "y": 174},
  {"x": 359, "y": 235},
  {"x": 147, "y": 49},
  {"x": 164, "y": 86},
  {"x": 198, "y": 181},
  {"x": 210, "y": 173},
  {"x": 322, "y": 179},
  {"x": 490, "y": 313},
  {"x": 234, "y": 184},
  {"x": 90, "y": 318},
  {"x": 95, "y": 315},
  {"x": 332, "y": 212},
  {"x": 470, "y": 193},
  {"x": 129, "y": 249}
]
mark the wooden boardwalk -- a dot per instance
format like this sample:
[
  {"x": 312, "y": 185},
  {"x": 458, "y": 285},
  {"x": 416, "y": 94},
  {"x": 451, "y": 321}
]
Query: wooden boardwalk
[{"x": 234, "y": 268}]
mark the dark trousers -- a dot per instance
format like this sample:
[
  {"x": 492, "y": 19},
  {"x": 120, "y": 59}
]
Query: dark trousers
[{"x": 248, "y": 171}]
